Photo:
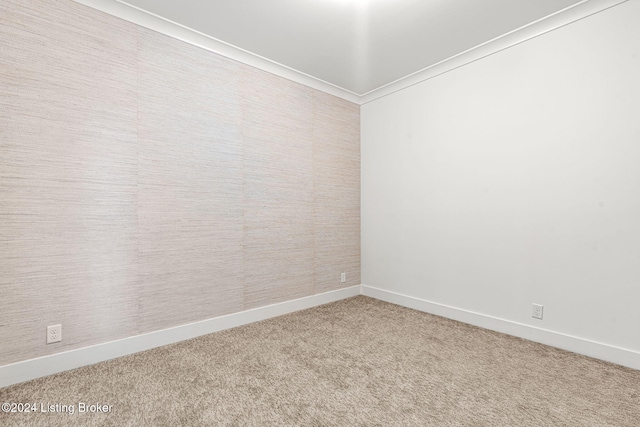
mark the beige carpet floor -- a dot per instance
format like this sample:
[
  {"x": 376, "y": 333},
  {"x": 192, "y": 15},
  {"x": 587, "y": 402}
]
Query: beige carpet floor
[{"x": 356, "y": 362}]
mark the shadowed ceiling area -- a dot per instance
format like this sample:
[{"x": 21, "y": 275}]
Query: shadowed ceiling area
[{"x": 356, "y": 45}]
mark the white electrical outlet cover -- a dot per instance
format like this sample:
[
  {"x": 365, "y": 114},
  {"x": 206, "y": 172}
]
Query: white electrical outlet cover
[
  {"x": 54, "y": 333},
  {"x": 537, "y": 311}
]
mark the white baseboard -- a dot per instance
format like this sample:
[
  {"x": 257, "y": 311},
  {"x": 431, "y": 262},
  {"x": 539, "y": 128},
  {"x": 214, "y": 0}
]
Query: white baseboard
[
  {"x": 621, "y": 356},
  {"x": 52, "y": 364},
  {"x": 60, "y": 362}
]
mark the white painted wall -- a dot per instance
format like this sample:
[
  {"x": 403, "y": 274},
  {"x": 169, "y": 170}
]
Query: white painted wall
[{"x": 516, "y": 179}]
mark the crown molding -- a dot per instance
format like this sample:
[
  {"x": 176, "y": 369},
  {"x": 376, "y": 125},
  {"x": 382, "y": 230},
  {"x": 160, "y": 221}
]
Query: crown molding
[
  {"x": 537, "y": 28},
  {"x": 123, "y": 10},
  {"x": 135, "y": 15}
]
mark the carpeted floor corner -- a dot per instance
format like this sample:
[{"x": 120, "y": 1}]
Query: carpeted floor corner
[{"x": 356, "y": 362}]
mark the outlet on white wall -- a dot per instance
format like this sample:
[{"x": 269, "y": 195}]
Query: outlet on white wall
[
  {"x": 343, "y": 277},
  {"x": 54, "y": 333},
  {"x": 537, "y": 311}
]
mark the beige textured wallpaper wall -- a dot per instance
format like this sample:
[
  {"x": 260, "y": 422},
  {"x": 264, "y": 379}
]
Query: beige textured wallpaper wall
[{"x": 146, "y": 183}]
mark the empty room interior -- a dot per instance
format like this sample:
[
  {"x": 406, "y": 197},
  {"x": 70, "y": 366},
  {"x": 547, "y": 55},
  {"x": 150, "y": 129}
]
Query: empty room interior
[{"x": 320, "y": 212}]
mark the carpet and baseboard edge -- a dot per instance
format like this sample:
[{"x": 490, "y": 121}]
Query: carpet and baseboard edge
[
  {"x": 586, "y": 347},
  {"x": 52, "y": 364},
  {"x": 47, "y": 365}
]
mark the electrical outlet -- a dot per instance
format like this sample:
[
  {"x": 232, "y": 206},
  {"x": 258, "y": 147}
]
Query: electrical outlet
[
  {"x": 54, "y": 333},
  {"x": 343, "y": 277},
  {"x": 537, "y": 311}
]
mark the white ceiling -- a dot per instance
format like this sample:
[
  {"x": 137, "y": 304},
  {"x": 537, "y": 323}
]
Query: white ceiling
[
  {"x": 359, "y": 50},
  {"x": 357, "y": 45}
]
